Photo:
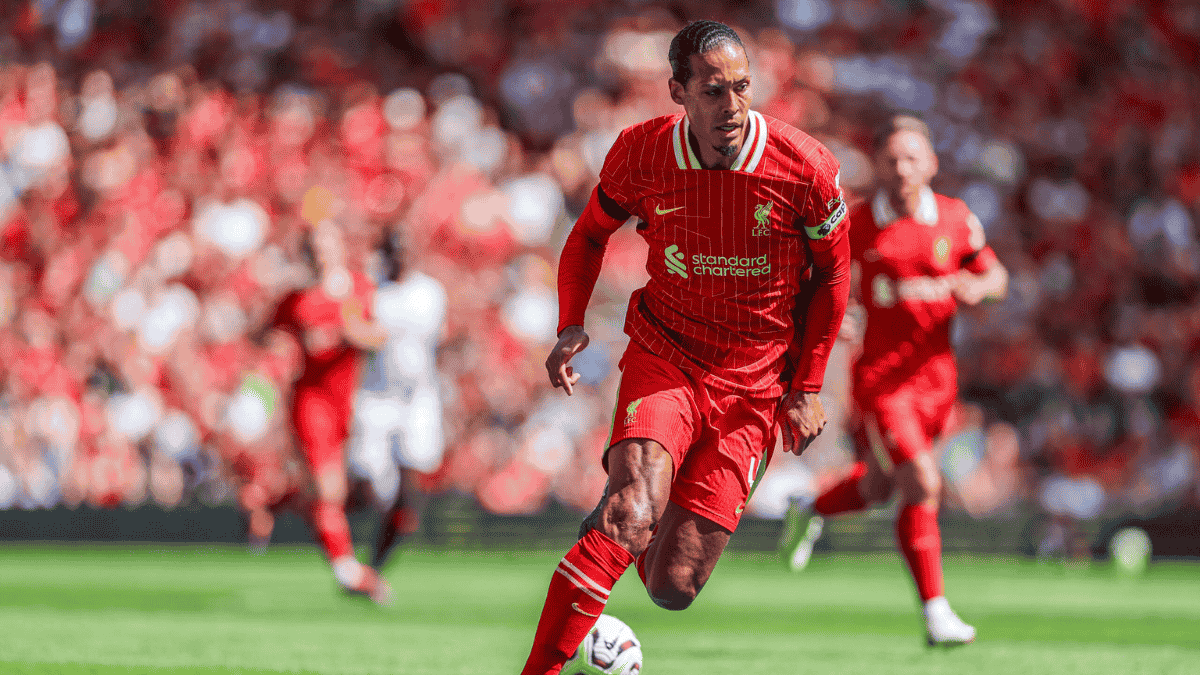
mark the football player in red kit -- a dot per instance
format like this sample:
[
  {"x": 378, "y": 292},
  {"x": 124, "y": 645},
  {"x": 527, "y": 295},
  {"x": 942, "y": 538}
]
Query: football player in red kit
[
  {"x": 728, "y": 339},
  {"x": 329, "y": 320},
  {"x": 920, "y": 254}
]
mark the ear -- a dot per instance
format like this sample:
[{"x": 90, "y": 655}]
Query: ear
[
  {"x": 934, "y": 169},
  {"x": 676, "y": 90}
]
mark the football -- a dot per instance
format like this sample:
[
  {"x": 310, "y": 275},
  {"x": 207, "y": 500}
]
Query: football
[
  {"x": 1130, "y": 550},
  {"x": 610, "y": 649}
]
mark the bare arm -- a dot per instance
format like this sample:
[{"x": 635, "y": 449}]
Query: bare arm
[
  {"x": 972, "y": 289},
  {"x": 358, "y": 329}
]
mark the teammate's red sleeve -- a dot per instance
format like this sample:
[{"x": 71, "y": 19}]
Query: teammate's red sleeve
[
  {"x": 582, "y": 256},
  {"x": 829, "y": 293}
]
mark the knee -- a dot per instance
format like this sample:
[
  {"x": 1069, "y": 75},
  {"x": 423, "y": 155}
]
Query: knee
[
  {"x": 331, "y": 486},
  {"x": 919, "y": 481},
  {"x": 875, "y": 488},
  {"x": 627, "y": 521},
  {"x": 676, "y": 592}
]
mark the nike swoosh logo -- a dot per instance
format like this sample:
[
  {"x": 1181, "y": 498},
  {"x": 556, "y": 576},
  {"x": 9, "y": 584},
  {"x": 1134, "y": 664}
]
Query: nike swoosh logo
[
  {"x": 663, "y": 212},
  {"x": 740, "y": 508},
  {"x": 575, "y": 606}
]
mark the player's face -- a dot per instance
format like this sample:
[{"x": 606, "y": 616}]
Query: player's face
[
  {"x": 906, "y": 163},
  {"x": 717, "y": 100}
]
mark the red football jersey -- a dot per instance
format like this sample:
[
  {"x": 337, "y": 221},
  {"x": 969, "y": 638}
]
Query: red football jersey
[
  {"x": 728, "y": 248},
  {"x": 315, "y": 319},
  {"x": 908, "y": 268}
]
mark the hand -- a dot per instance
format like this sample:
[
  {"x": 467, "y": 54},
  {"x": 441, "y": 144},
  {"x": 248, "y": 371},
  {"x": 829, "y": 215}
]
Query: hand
[
  {"x": 571, "y": 341},
  {"x": 803, "y": 418},
  {"x": 351, "y": 309},
  {"x": 851, "y": 329}
]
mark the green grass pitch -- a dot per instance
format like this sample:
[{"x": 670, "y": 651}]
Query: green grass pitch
[{"x": 76, "y": 610}]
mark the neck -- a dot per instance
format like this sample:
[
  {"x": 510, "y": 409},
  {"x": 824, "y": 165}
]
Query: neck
[
  {"x": 906, "y": 204},
  {"x": 708, "y": 156}
]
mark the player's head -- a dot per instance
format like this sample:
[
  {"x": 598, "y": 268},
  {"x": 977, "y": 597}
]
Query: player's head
[
  {"x": 710, "y": 78},
  {"x": 904, "y": 158}
]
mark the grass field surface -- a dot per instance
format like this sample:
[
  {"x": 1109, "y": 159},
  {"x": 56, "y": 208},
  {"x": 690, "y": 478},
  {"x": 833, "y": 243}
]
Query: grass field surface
[{"x": 77, "y": 610}]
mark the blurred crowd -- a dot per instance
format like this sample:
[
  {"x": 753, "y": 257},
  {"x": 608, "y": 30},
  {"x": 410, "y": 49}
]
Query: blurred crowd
[{"x": 160, "y": 161}]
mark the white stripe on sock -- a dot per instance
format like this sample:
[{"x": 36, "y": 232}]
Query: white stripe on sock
[
  {"x": 580, "y": 586},
  {"x": 584, "y": 577}
]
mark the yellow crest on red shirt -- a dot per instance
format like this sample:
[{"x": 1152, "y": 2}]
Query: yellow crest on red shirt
[{"x": 941, "y": 249}]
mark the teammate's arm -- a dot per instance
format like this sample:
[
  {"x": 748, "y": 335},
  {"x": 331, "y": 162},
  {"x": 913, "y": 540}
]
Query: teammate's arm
[
  {"x": 358, "y": 329},
  {"x": 578, "y": 268},
  {"x": 972, "y": 289},
  {"x": 982, "y": 277}
]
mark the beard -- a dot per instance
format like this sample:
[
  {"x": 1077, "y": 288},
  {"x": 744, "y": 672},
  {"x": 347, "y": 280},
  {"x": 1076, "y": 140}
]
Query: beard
[{"x": 728, "y": 150}]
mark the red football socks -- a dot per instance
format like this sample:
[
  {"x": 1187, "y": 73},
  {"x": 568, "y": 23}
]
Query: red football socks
[
  {"x": 921, "y": 543},
  {"x": 578, "y": 592},
  {"x": 332, "y": 529},
  {"x": 844, "y": 496}
]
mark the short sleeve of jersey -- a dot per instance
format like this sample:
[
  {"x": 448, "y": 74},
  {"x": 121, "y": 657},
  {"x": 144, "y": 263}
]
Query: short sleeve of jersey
[
  {"x": 825, "y": 212},
  {"x": 979, "y": 256},
  {"x": 615, "y": 178}
]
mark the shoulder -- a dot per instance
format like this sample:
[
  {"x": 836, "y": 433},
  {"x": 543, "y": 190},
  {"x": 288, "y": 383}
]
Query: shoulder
[
  {"x": 797, "y": 153},
  {"x": 650, "y": 133},
  {"x": 651, "y": 129},
  {"x": 951, "y": 209}
]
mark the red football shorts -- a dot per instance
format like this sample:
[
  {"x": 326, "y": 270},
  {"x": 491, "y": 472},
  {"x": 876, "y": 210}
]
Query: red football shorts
[
  {"x": 911, "y": 415},
  {"x": 322, "y": 421},
  {"x": 719, "y": 443}
]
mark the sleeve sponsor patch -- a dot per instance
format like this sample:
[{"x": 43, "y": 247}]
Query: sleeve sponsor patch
[{"x": 836, "y": 216}]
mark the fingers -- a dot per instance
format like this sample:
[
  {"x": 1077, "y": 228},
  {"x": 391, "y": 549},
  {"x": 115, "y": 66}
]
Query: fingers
[
  {"x": 568, "y": 378},
  {"x": 789, "y": 444}
]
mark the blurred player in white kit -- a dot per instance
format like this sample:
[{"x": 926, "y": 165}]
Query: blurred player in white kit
[{"x": 397, "y": 433}]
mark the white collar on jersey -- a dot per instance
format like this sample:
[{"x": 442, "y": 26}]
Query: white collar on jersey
[
  {"x": 747, "y": 160},
  {"x": 881, "y": 209}
]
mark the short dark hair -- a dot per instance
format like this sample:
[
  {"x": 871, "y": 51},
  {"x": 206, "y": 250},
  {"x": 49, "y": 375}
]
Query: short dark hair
[
  {"x": 897, "y": 123},
  {"x": 698, "y": 37}
]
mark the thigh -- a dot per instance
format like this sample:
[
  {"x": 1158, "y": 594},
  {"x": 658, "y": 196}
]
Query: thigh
[
  {"x": 320, "y": 429},
  {"x": 901, "y": 424},
  {"x": 639, "y": 485},
  {"x": 685, "y": 551},
  {"x": 720, "y": 471},
  {"x": 655, "y": 401}
]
